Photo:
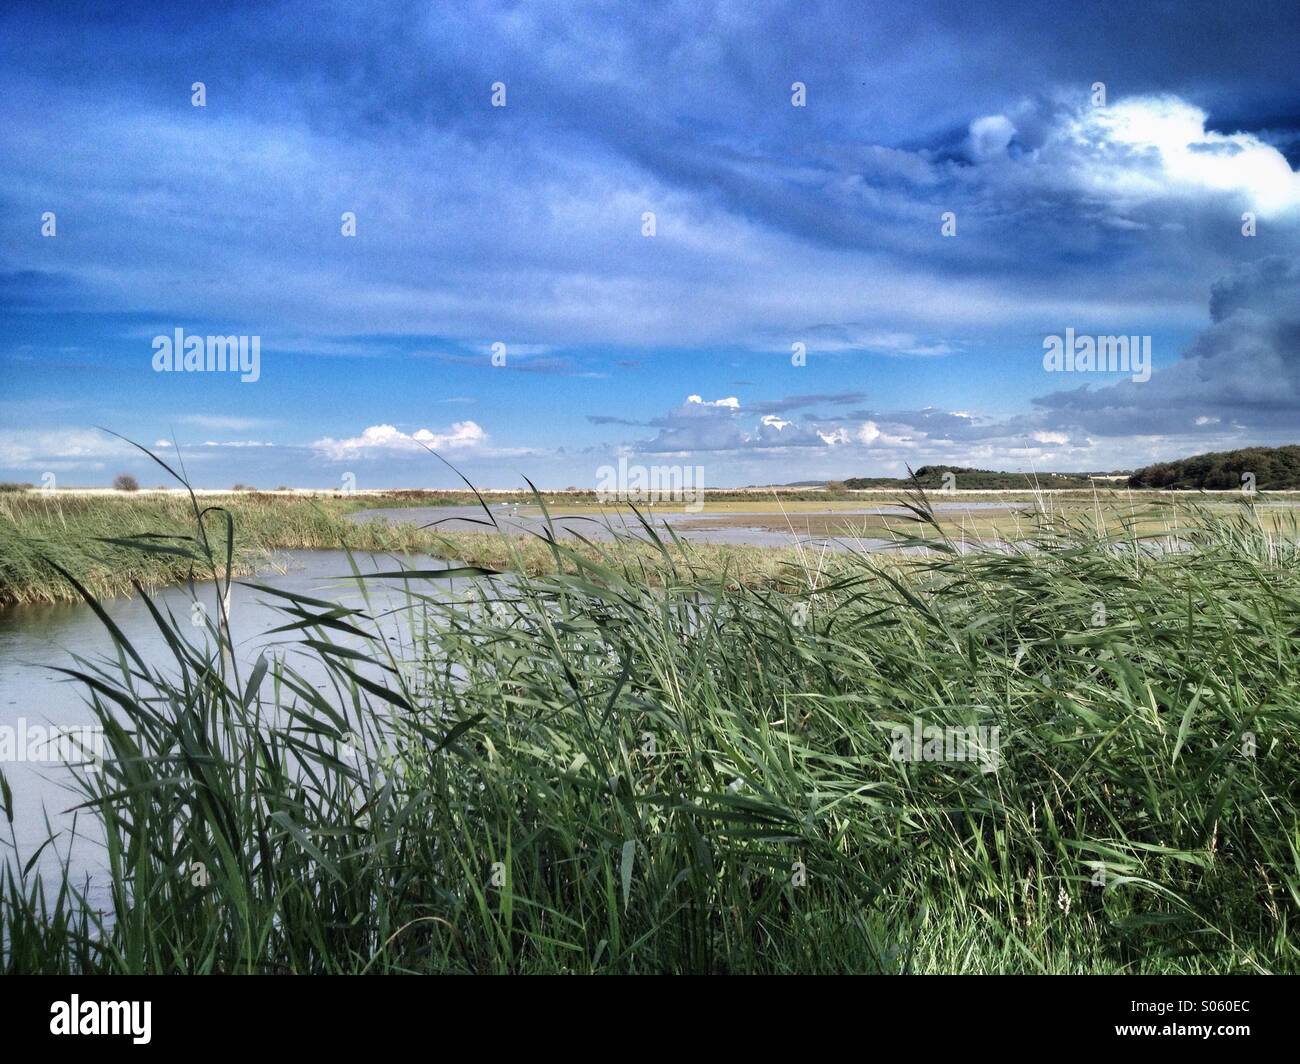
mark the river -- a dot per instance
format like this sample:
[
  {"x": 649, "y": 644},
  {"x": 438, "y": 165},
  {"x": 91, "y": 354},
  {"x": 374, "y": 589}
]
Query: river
[{"x": 34, "y": 699}]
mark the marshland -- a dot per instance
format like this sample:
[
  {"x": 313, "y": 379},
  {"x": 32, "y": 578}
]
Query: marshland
[
  {"x": 763, "y": 488},
  {"x": 525, "y": 748}
]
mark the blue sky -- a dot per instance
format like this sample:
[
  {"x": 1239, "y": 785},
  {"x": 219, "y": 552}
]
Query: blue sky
[{"x": 523, "y": 225}]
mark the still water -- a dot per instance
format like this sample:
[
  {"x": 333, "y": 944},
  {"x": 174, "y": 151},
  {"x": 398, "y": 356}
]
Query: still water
[
  {"x": 34, "y": 699},
  {"x": 34, "y": 638}
]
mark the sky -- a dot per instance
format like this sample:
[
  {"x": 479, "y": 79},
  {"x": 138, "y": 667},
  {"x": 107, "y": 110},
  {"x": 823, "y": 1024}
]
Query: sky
[{"x": 772, "y": 242}]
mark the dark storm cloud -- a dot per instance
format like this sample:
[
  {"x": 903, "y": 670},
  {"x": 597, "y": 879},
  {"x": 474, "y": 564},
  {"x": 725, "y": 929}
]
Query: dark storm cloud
[{"x": 1242, "y": 371}]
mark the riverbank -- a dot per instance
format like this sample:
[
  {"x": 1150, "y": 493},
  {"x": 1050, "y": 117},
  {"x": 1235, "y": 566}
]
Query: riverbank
[
  {"x": 95, "y": 536},
  {"x": 1074, "y": 758},
  {"x": 91, "y": 535}
]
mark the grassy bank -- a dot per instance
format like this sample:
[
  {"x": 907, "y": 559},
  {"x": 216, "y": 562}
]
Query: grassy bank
[
  {"x": 90, "y": 537},
  {"x": 624, "y": 765},
  {"x": 85, "y": 535}
]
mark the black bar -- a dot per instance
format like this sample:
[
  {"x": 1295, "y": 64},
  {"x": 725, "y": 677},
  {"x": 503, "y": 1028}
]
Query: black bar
[{"x": 303, "y": 1013}]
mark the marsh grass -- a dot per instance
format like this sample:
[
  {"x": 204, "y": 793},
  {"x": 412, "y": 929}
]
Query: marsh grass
[
  {"x": 636, "y": 763},
  {"x": 83, "y": 535}
]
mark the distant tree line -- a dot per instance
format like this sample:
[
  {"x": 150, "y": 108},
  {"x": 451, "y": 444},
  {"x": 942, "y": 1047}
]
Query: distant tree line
[
  {"x": 932, "y": 476},
  {"x": 1274, "y": 469}
]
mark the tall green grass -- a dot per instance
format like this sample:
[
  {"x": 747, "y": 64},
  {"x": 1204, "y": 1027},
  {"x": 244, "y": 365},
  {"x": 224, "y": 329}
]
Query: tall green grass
[
  {"x": 638, "y": 764},
  {"x": 83, "y": 534}
]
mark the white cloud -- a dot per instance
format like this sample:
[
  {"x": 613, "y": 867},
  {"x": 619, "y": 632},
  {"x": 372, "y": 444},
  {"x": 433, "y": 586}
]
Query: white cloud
[
  {"x": 872, "y": 435},
  {"x": 852, "y": 337},
  {"x": 379, "y": 440},
  {"x": 25, "y": 448},
  {"x": 1157, "y": 147},
  {"x": 990, "y": 136}
]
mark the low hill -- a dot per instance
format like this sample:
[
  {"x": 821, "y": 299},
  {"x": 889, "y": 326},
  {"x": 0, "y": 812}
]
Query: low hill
[
  {"x": 974, "y": 479},
  {"x": 1274, "y": 469}
]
